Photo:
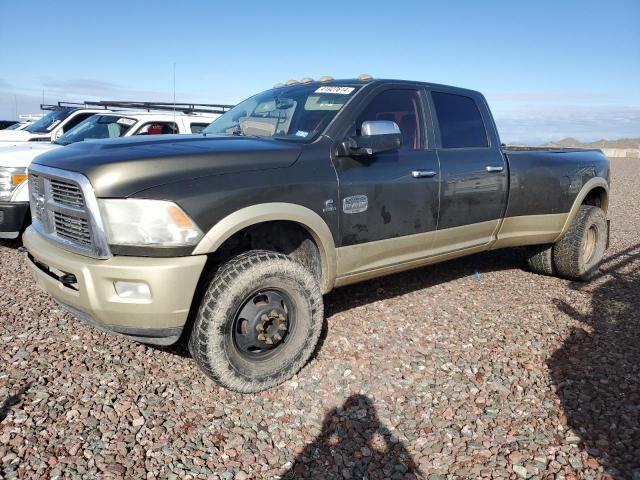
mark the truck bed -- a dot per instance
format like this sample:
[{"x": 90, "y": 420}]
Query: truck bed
[{"x": 545, "y": 180}]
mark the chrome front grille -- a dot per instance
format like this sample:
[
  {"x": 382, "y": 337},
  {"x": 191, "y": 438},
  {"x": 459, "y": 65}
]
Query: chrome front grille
[
  {"x": 66, "y": 193},
  {"x": 64, "y": 209},
  {"x": 72, "y": 228}
]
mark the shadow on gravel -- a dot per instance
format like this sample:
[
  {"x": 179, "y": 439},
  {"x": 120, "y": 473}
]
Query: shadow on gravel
[
  {"x": 354, "y": 444},
  {"x": 12, "y": 400},
  {"x": 597, "y": 370}
]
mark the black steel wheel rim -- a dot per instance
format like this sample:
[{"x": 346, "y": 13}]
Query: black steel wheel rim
[{"x": 263, "y": 323}]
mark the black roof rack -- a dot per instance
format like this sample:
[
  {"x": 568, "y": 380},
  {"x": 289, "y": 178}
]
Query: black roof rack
[
  {"x": 148, "y": 106},
  {"x": 178, "y": 107},
  {"x": 63, "y": 105}
]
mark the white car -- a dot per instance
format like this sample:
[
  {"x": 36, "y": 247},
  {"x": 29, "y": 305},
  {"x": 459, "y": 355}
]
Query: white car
[
  {"x": 14, "y": 161},
  {"x": 62, "y": 118}
]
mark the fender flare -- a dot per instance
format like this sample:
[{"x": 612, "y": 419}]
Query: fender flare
[
  {"x": 582, "y": 194},
  {"x": 276, "y": 211}
]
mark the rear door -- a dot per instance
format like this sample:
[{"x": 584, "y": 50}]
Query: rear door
[{"x": 473, "y": 181}]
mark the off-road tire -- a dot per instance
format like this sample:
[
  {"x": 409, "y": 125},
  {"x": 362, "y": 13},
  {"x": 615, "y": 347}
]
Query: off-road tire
[
  {"x": 577, "y": 254},
  {"x": 211, "y": 342},
  {"x": 540, "y": 259}
]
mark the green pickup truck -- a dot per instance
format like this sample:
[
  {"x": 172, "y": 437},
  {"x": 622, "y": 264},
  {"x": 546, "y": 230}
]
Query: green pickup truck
[{"x": 229, "y": 239}]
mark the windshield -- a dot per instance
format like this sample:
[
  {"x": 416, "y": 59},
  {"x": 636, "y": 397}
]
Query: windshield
[
  {"x": 15, "y": 126},
  {"x": 297, "y": 113},
  {"x": 49, "y": 121},
  {"x": 96, "y": 127}
]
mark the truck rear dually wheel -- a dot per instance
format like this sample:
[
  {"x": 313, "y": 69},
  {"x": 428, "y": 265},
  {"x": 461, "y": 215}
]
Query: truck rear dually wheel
[
  {"x": 258, "y": 323},
  {"x": 540, "y": 259},
  {"x": 577, "y": 254}
]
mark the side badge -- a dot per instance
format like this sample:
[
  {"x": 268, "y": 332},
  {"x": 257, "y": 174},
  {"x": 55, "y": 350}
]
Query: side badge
[
  {"x": 355, "y": 204},
  {"x": 329, "y": 206}
]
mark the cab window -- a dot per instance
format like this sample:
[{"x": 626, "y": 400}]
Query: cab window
[
  {"x": 198, "y": 127},
  {"x": 402, "y": 106},
  {"x": 460, "y": 121},
  {"x": 158, "y": 128},
  {"x": 75, "y": 120}
]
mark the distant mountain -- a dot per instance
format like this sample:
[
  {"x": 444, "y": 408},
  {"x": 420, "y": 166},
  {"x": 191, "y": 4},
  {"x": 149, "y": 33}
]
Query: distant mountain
[{"x": 620, "y": 143}]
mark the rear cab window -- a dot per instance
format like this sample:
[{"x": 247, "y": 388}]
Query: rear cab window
[
  {"x": 198, "y": 127},
  {"x": 158, "y": 128},
  {"x": 459, "y": 121}
]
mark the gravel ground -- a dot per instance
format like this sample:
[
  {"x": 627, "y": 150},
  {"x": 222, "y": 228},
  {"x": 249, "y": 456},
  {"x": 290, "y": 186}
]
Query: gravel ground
[{"x": 473, "y": 368}]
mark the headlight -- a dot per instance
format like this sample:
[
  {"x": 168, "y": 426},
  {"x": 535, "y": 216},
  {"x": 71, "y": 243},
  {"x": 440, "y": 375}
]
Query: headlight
[
  {"x": 10, "y": 178},
  {"x": 140, "y": 222}
]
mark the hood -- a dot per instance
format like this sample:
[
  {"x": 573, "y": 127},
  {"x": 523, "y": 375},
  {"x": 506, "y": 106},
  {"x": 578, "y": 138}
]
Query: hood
[
  {"x": 121, "y": 167},
  {"x": 12, "y": 137},
  {"x": 22, "y": 154}
]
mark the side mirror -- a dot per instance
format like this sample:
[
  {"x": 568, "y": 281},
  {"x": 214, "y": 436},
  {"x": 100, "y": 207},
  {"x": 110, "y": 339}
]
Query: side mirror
[{"x": 377, "y": 136}]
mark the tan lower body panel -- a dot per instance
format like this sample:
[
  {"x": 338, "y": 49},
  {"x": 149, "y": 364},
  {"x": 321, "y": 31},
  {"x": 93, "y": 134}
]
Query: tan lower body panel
[
  {"x": 530, "y": 230},
  {"x": 383, "y": 257},
  {"x": 172, "y": 282}
]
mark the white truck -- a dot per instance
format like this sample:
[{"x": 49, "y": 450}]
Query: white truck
[
  {"x": 61, "y": 118},
  {"x": 135, "y": 118},
  {"x": 24, "y": 121}
]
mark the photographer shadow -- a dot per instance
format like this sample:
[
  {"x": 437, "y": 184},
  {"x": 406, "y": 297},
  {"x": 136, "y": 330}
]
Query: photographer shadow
[
  {"x": 597, "y": 370},
  {"x": 354, "y": 444}
]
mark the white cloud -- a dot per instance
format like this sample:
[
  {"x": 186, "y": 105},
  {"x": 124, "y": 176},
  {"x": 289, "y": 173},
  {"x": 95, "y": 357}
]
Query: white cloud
[
  {"x": 546, "y": 96},
  {"x": 539, "y": 124}
]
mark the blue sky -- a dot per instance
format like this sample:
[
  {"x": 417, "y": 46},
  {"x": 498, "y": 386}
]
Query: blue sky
[{"x": 549, "y": 69}]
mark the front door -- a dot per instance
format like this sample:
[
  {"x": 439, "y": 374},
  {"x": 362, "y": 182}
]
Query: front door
[{"x": 389, "y": 201}]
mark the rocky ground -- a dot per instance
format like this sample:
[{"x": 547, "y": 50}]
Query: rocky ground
[{"x": 473, "y": 368}]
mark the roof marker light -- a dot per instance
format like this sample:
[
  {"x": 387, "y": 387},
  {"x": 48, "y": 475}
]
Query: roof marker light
[
  {"x": 292, "y": 82},
  {"x": 326, "y": 78},
  {"x": 278, "y": 85},
  {"x": 364, "y": 77},
  {"x": 306, "y": 80}
]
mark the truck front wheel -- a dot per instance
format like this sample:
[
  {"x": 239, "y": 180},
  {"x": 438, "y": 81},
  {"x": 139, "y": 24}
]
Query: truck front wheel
[
  {"x": 258, "y": 323},
  {"x": 577, "y": 254}
]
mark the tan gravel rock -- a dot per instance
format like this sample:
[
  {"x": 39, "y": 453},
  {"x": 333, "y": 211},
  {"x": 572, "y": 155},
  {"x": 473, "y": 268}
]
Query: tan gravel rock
[{"x": 439, "y": 373}]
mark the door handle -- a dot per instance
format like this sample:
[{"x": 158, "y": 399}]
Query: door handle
[
  {"x": 423, "y": 173},
  {"x": 490, "y": 168}
]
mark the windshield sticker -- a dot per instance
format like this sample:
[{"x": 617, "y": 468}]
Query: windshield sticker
[
  {"x": 126, "y": 121},
  {"x": 302, "y": 134},
  {"x": 338, "y": 90},
  {"x": 52, "y": 126}
]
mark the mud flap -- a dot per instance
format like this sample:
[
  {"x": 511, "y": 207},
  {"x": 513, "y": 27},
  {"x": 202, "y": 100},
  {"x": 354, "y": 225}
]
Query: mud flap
[{"x": 608, "y": 231}]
